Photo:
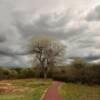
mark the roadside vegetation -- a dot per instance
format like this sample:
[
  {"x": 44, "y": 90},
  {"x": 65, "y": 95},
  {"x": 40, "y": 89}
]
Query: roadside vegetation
[
  {"x": 70, "y": 91},
  {"x": 23, "y": 89}
]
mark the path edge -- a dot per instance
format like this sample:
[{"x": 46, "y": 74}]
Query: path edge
[{"x": 44, "y": 93}]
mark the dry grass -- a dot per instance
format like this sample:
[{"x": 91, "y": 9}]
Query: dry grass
[
  {"x": 25, "y": 89},
  {"x": 79, "y": 92}
]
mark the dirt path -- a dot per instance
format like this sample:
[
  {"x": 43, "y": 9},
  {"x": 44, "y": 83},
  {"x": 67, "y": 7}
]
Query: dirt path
[{"x": 52, "y": 92}]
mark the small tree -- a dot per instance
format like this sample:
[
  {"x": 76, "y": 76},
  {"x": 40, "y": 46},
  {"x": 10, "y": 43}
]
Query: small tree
[
  {"x": 47, "y": 53},
  {"x": 79, "y": 63}
]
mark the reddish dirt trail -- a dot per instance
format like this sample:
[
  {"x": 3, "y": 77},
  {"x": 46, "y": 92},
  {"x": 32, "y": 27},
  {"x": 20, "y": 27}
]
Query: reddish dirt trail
[{"x": 53, "y": 93}]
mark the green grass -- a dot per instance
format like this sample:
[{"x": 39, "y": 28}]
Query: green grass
[
  {"x": 35, "y": 89},
  {"x": 71, "y": 91}
]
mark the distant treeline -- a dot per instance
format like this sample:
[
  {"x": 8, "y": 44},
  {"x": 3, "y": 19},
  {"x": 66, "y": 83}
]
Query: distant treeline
[
  {"x": 78, "y": 72},
  {"x": 89, "y": 74}
]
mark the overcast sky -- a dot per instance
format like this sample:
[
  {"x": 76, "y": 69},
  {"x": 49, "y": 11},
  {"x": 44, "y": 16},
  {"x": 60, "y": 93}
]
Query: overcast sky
[{"x": 76, "y": 23}]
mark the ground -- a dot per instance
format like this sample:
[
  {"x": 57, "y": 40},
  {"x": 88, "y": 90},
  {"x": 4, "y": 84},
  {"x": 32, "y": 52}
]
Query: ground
[
  {"x": 26, "y": 89},
  {"x": 71, "y": 91},
  {"x": 53, "y": 92},
  {"x": 42, "y": 89}
]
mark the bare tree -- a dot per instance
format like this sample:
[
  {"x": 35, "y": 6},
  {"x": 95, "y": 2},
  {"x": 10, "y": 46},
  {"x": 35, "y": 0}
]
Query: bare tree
[{"x": 47, "y": 52}]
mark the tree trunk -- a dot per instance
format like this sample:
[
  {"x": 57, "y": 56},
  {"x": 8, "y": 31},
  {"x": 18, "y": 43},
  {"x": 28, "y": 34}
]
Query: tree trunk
[
  {"x": 45, "y": 72},
  {"x": 45, "y": 75}
]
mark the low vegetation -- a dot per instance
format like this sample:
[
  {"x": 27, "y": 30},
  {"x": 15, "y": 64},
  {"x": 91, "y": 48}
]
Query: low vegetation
[
  {"x": 71, "y": 91},
  {"x": 23, "y": 89}
]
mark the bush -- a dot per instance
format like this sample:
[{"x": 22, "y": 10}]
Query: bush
[
  {"x": 5, "y": 73},
  {"x": 85, "y": 75},
  {"x": 27, "y": 73}
]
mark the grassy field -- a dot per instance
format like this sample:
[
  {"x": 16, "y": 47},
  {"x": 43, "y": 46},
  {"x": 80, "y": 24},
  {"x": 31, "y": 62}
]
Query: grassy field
[
  {"x": 29, "y": 89},
  {"x": 71, "y": 91}
]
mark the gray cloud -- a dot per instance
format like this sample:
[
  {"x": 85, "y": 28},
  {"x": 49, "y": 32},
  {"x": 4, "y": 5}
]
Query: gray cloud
[
  {"x": 45, "y": 24},
  {"x": 22, "y": 19},
  {"x": 89, "y": 58},
  {"x": 94, "y": 14},
  {"x": 57, "y": 25},
  {"x": 2, "y": 38}
]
